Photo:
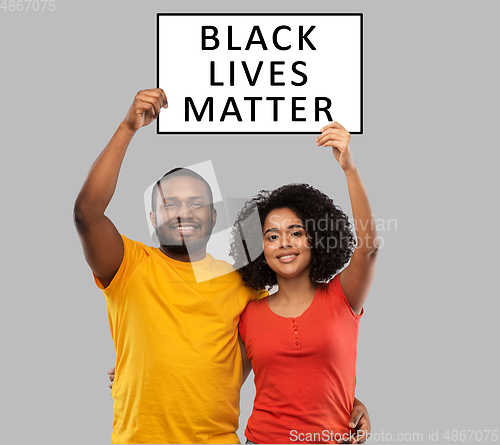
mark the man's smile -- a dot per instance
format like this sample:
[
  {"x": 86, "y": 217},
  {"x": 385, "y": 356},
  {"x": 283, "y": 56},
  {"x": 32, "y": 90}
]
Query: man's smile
[{"x": 184, "y": 228}]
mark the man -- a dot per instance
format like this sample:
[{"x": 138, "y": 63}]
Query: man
[{"x": 178, "y": 364}]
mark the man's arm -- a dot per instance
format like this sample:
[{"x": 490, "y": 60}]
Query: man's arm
[
  {"x": 101, "y": 242},
  {"x": 357, "y": 412},
  {"x": 360, "y": 421},
  {"x": 247, "y": 364}
]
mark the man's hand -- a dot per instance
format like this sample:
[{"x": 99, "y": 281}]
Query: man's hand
[
  {"x": 111, "y": 374},
  {"x": 336, "y": 136},
  {"x": 360, "y": 422},
  {"x": 145, "y": 108}
]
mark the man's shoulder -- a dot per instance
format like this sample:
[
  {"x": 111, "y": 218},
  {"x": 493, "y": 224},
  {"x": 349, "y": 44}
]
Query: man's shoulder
[
  {"x": 135, "y": 243},
  {"x": 137, "y": 248},
  {"x": 224, "y": 266},
  {"x": 226, "y": 272}
]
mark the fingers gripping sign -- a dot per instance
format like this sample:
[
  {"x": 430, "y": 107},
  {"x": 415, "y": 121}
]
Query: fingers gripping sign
[
  {"x": 145, "y": 108},
  {"x": 336, "y": 136}
]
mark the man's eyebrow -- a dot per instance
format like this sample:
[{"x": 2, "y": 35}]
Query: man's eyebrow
[{"x": 176, "y": 198}]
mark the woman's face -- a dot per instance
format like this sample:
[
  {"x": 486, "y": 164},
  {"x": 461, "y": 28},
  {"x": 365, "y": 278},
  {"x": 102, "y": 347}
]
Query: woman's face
[{"x": 286, "y": 246}]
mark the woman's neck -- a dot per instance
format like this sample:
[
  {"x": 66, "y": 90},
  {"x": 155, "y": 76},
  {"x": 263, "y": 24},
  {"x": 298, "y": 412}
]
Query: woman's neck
[
  {"x": 294, "y": 296},
  {"x": 295, "y": 290}
]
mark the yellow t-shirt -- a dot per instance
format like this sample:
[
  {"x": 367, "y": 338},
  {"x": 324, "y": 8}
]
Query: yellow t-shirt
[{"x": 178, "y": 364}]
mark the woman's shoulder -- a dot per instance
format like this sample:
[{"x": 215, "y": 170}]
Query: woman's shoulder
[
  {"x": 335, "y": 296},
  {"x": 255, "y": 307}
]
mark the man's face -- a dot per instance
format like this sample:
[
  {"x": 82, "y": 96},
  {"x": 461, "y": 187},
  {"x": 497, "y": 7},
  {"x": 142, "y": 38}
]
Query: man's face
[{"x": 184, "y": 218}]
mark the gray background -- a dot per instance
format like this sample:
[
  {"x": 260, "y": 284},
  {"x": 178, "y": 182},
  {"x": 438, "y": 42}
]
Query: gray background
[{"x": 428, "y": 346}]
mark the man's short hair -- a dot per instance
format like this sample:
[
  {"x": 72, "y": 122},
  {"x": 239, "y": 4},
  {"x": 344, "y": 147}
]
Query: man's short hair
[{"x": 179, "y": 171}]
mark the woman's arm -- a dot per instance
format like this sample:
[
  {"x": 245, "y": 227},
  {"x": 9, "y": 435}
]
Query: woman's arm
[{"x": 357, "y": 277}]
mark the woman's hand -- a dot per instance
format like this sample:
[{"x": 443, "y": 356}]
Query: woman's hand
[{"x": 336, "y": 136}]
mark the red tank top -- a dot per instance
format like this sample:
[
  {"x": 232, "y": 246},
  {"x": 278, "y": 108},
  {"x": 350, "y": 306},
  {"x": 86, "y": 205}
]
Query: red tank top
[{"x": 305, "y": 369}]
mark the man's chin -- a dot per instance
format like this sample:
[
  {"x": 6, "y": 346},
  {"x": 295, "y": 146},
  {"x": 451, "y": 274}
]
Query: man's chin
[
  {"x": 177, "y": 249},
  {"x": 183, "y": 245},
  {"x": 188, "y": 247}
]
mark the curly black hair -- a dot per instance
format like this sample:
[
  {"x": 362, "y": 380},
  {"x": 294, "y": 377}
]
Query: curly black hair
[{"x": 327, "y": 226}]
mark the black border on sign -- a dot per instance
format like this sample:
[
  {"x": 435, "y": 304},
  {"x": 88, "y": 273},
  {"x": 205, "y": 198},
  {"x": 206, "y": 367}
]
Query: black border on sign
[{"x": 159, "y": 14}]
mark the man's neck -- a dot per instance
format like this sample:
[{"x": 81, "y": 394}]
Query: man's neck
[{"x": 187, "y": 257}]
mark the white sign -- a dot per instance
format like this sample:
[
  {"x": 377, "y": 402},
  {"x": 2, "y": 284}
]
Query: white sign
[{"x": 260, "y": 73}]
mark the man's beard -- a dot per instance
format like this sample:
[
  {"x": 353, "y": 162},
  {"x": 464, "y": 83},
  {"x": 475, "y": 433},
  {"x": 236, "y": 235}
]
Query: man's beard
[{"x": 180, "y": 247}]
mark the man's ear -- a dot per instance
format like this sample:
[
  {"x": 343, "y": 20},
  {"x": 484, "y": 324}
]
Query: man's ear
[
  {"x": 152, "y": 217},
  {"x": 214, "y": 217}
]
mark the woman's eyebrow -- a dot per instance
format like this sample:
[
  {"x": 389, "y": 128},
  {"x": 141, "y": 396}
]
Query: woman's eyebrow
[
  {"x": 294, "y": 226},
  {"x": 272, "y": 229}
]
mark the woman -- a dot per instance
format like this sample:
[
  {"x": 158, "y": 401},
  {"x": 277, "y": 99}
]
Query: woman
[{"x": 302, "y": 340}]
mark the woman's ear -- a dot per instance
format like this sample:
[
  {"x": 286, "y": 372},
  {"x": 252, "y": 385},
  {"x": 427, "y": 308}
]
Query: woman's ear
[{"x": 309, "y": 240}]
